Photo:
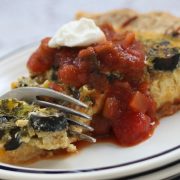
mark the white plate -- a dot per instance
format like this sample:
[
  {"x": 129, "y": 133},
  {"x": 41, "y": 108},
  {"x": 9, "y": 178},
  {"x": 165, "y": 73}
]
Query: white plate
[{"x": 99, "y": 161}]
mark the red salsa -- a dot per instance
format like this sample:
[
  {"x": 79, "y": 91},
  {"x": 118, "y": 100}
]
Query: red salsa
[{"x": 115, "y": 68}]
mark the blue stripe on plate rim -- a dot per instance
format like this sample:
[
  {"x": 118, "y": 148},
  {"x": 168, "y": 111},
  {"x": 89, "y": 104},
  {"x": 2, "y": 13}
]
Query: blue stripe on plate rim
[
  {"x": 155, "y": 170},
  {"x": 36, "y": 171}
]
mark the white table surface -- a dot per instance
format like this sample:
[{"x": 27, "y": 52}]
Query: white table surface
[{"x": 26, "y": 21}]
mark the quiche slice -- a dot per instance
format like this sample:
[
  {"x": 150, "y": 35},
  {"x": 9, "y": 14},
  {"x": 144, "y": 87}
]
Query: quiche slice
[
  {"x": 28, "y": 131},
  {"x": 160, "y": 34},
  {"x": 129, "y": 82}
]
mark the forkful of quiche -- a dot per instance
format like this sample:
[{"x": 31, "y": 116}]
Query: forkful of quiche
[
  {"x": 26, "y": 117},
  {"x": 42, "y": 117}
]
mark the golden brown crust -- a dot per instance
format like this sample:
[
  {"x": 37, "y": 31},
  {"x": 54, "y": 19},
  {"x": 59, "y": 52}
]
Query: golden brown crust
[
  {"x": 116, "y": 17},
  {"x": 158, "y": 22},
  {"x": 168, "y": 109},
  {"x": 24, "y": 154}
]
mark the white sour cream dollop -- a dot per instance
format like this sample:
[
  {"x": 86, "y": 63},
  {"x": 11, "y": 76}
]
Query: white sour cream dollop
[{"x": 83, "y": 32}]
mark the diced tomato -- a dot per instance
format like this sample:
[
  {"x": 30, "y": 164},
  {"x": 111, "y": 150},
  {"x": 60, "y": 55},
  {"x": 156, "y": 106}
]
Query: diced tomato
[
  {"x": 111, "y": 108},
  {"x": 71, "y": 75},
  {"x": 98, "y": 82},
  {"x": 128, "y": 40},
  {"x": 101, "y": 125},
  {"x": 65, "y": 56},
  {"x": 120, "y": 89},
  {"x": 38, "y": 64},
  {"x": 151, "y": 112},
  {"x": 45, "y": 49},
  {"x": 55, "y": 86},
  {"x": 143, "y": 87},
  {"x": 87, "y": 60},
  {"x": 132, "y": 128},
  {"x": 41, "y": 60},
  {"x": 108, "y": 56},
  {"x": 139, "y": 102},
  {"x": 108, "y": 31}
]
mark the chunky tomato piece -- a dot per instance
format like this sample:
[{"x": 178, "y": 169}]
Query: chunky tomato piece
[
  {"x": 41, "y": 60},
  {"x": 38, "y": 64},
  {"x": 128, "y": 40},
  {"x": 132, "y": 128},
  {"x": 87, "y": 60},
  {"x": 151, "y": 112},
  {"x": 120, "y": 89},
  {"x": 101, "y": 125},
  {"x": 143, "y": 87},
  {"x": 65, "y": 56},
  {"x": 109, "y": 32},
  {"x": 45, "y": 49},
  {"x": 71, "y": 75},
  {"x": 108, "y": 56},
  {"x": 112, "y": 108},
  {"x": 98, "y": 82},
  {"x": 55, "y": 86},
  {"x": 139, "y": 102}
]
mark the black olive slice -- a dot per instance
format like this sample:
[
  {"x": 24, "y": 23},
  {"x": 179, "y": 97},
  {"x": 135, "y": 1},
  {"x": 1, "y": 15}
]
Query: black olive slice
[
  {"x": 14, "y": 143},
  {"x": 166, "y": 64},
  {"x": 5, "y": 118},
  {"x": 48, "y": 123}
]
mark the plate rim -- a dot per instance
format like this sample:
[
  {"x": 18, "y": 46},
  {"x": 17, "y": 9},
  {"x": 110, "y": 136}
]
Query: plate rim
[
  {"x": 45, "y": 171},
  {"x": 10, "y": 168}
]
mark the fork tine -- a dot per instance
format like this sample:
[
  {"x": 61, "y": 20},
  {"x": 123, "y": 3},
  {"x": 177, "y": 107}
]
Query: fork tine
[
  {"x": 60, "y": 96},
  {"x": 28, "y": 93},
  {"x": 82, "y": 136},
  {"x": 62, "y": 108},
  {"x": 73, "y": 122}
]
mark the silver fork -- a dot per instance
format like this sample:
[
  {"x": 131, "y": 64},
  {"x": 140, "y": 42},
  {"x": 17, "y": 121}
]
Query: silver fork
[{"x": 30, "y": 94}]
